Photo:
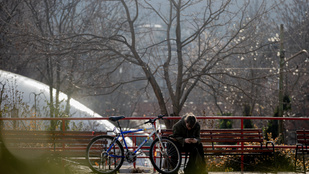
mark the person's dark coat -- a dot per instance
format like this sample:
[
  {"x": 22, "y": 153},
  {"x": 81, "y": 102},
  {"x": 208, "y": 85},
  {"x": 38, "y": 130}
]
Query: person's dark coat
[{"x": 180, "y": 131}]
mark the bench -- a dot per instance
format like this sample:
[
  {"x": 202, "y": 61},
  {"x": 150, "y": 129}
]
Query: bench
[
  {"x": 221, "y": 142},
  {"x": 55, "y": 143},
  {"x": 302, "y": 148}
]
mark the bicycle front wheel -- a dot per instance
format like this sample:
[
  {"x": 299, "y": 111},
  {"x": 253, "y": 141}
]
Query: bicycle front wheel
[
  {"x": 101, "y": 160},
  {"x": 165, "y": 155}
]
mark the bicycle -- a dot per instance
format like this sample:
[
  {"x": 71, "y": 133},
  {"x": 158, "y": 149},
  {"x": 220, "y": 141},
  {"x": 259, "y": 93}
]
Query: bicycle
[{"x": 105, "y": 154}]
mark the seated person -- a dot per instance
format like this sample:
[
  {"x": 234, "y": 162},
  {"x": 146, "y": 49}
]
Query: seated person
[{"x": 186, "y": 132}]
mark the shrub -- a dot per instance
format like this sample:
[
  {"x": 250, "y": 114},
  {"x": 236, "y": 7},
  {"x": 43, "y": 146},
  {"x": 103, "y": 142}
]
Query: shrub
[{"x": 262, "y": 163}]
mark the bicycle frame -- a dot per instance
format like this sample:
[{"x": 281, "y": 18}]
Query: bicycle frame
[
  {"x": 105, "y": 154},
  {"x": 122, "y": 133}
]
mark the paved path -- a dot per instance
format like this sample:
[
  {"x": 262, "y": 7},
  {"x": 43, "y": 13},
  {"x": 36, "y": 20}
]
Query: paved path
[{"x": 127, "y": 169}]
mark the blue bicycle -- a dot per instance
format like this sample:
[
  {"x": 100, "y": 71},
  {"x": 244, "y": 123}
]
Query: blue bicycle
[{"x": 105, "y": 154}]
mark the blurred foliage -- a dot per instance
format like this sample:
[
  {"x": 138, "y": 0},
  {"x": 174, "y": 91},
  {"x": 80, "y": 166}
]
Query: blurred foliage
[
  {"x": 225, "y": 123},
  {"x": 261, "y": 163},
  {"x": 273, "y": 125},
  {"x": 247, "y": 112},
  {"x": 285, "y": 160},
  {"x": 45, "y": 164}
]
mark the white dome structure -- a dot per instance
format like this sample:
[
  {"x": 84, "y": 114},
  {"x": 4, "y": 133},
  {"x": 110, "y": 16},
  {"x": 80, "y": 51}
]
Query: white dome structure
[{"x": 22, "y": 94}]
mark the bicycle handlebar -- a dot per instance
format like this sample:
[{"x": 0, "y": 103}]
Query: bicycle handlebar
[{"x": 155, "y": 119}]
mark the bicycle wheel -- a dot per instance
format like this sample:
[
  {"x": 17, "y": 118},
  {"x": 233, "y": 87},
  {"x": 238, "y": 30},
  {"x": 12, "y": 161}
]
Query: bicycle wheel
[
  {"x": 99, "y": 160},
  {"x": 165, "y": 157}
]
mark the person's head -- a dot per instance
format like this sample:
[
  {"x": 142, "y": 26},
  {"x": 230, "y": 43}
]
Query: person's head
[{"x": 190, "y": 121}]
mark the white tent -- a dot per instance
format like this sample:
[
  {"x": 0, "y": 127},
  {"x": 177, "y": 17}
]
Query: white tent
[{"x": 21, "y": 93}]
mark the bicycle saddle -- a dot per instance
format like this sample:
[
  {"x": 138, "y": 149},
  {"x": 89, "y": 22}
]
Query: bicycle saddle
[{"x": 116, "y": 118}]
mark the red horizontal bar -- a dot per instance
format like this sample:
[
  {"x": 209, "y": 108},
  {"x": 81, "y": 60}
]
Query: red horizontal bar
[
  {"x": 252, "y": 146},
  {"x": 169, "y": 118}
]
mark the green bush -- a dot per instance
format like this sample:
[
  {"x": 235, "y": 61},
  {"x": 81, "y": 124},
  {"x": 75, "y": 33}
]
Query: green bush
[
  {"x": 226, "y": 123},
  {"x": 259, "y": 163}
]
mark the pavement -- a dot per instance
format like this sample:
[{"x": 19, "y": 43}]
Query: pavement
[
  {"x": 128, "y": 168},
  {"x": 138, "y": 169}
]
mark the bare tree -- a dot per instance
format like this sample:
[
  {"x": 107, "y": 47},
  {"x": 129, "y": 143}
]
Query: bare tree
[
  {"x": 166, "y": 50},
  {"x": 183, "y": 47},
  {"x": 246, "y": 80},
  {"x": 49, "y": 29},
  {"x": 12, "y": 56},
  {"x": 294, "y": 16}
]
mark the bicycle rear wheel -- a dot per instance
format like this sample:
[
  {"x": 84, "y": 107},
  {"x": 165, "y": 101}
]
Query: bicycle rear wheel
[
  {"x": 99, "y": 160},
  {"x": 165, "y": 157}
]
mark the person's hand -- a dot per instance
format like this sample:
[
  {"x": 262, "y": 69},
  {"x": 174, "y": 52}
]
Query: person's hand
[
  {"x": 188, "y": 140},
  {"x": 193, "y": 140}
]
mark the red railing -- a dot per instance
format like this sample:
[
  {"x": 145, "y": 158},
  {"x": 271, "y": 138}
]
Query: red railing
[{"x": 241, "y": 118}]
